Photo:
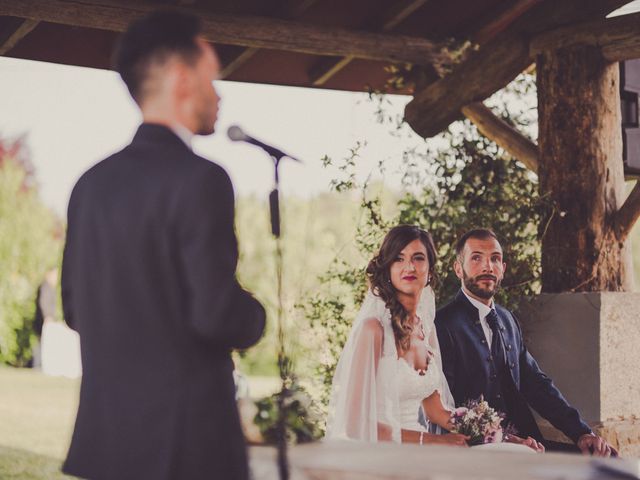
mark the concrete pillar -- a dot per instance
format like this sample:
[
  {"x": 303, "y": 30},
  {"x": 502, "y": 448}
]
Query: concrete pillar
[{"x": 589, "y": 344}]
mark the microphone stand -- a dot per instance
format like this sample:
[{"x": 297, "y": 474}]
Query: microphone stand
[{"x": 284, "y": 363}]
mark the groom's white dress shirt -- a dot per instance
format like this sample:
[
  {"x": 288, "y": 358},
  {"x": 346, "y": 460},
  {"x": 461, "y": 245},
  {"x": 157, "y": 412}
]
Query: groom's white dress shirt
[{"x": 483, "y": 311}]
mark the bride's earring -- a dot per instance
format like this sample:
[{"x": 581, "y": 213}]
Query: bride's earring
[{"x": 428, "y": 281}]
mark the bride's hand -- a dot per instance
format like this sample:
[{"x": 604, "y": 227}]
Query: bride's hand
[
  {"x": 528, "y": 442},
  {"x": 453, "y": 439}
]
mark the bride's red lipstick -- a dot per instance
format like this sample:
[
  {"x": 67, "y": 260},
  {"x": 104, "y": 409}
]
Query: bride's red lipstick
[{"x": 409, "y": 277}]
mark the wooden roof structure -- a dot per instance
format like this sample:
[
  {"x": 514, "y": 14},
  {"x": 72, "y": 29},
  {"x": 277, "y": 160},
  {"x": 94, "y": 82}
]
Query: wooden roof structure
[
  {"x": 345, "y": 45},
  {"x": 452, "y": 52},
  {"x": 449, "y": 54}
]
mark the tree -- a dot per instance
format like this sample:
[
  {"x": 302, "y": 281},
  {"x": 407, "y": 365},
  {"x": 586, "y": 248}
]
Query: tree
[{"x": 30, "y": 243}]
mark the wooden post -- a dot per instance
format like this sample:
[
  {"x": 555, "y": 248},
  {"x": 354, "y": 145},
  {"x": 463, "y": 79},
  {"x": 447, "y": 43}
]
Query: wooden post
[{"x": 581, "y": 172}]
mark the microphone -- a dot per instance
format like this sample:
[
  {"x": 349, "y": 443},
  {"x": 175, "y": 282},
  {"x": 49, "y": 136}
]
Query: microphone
[{"x": 236, "y": 134}]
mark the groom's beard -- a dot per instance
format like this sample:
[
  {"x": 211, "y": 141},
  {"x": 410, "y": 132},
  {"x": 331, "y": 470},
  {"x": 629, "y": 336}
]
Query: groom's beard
[{"x": 472, "y": 284}]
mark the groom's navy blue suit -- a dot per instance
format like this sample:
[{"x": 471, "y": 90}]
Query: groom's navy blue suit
[{"x": 511, "y": 384}]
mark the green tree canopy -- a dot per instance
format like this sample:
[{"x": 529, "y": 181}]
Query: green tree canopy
[{"x": 30, "y": 244}]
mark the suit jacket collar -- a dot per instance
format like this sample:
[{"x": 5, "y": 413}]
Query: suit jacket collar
[
  {"x": 157, "y": 134},
  {"x": 462, "y": 299}
]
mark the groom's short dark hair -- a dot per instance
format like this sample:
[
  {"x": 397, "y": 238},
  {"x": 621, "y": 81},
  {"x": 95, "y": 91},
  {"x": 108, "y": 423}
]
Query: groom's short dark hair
[
  {"x": 478, "y": 234},
  {"x": 153, "y": 39}
]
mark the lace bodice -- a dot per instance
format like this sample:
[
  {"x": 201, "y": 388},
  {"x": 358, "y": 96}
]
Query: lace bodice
[{"x": 412, "y": 389}]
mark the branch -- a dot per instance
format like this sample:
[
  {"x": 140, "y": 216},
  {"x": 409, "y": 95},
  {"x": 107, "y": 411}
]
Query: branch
[
  {"x": 628, "y": 214},
  {"x": 510, "y": 139}
]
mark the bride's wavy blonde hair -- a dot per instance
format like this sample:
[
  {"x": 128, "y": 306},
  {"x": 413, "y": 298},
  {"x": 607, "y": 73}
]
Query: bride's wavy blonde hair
[{"x": 378, "y": 274}]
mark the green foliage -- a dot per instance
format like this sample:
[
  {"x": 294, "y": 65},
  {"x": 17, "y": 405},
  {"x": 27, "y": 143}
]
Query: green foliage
[
  {"x": 476, "y": 186},
  {"x": 29, "y": 246},
  {"x": 302, "y": 419},
  {"x": 315, "y": 230},
  {"x": 458, "y": 182}
]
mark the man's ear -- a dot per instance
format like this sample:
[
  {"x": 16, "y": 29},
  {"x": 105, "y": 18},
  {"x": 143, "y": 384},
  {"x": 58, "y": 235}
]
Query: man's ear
[{"x": 457, "y": 267}]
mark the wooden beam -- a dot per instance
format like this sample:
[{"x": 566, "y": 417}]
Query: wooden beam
[
  {"x": 628, "y": 214},
  {"x": 245, "y": 31},
  {"x": 244, "y": 56},
  {"x": 397, "y": 13},
  {"x": 500, "y": 20},
  {"x": 581, "y": 171},
  {"x": 294, "y": 9},
  {"x": 495, "y": 64},
  {"x": 22, "y": 31},
  {"x": 324, "y": 69},
  {"x": 618, "y": 37},
  {"x": 439, "y": 104},
  {"x": 507, "y": 137}
]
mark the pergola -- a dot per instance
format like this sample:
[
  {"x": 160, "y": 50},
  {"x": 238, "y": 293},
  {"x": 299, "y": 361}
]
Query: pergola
[{"x": 457, "y": 53}]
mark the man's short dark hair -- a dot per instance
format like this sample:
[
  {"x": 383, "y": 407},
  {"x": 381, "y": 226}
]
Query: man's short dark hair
[
  {"x": 476, "y": 233},
  {"x": 153, "y": 39}
]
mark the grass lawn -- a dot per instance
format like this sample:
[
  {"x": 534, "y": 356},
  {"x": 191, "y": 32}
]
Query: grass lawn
[{"x": 36, "y": 420}]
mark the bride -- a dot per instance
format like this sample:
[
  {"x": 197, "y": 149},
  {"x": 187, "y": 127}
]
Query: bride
[{"x": 390, "y": 372}]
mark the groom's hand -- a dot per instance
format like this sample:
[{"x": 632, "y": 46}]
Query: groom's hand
[
  {"x": 591, "y": 444},
  {"x": 530, "y": 442}
]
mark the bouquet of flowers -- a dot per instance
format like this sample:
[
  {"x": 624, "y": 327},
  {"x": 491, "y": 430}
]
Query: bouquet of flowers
[{"x": 480, "y": 422}]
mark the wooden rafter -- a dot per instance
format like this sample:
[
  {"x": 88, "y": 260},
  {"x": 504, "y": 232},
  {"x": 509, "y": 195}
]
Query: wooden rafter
[
  {"x": 618, "y": 37},
  {"x": 324, "y": 69},
  {"x": 507, "y": 137},
  {"x": 628, "y": 214},
  {"x": 245, "y": 31},
  {"x": 239, "y": 60},
  {"x": 495, "y": 64},
  {"x": 293, "y": 10},
  {"x": 500, "y": 20},
  {"x": 22, "y": 31}
]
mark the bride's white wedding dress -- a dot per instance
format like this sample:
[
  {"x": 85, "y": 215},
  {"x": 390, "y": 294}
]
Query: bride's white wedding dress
[
  {"x": 412, "y": 389},
  {"x": 373, "y": 386}
]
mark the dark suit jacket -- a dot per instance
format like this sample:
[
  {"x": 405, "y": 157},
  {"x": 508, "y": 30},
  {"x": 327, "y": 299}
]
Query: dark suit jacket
[
  {"x": 468, "y": 369},
  {"x": 148, "y": 281}
]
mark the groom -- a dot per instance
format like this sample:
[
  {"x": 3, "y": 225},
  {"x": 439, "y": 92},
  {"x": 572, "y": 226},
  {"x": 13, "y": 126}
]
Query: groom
[{"x": 483, "y": 352}]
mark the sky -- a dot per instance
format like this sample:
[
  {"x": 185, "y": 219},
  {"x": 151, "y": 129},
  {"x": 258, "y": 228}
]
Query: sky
[{"x": 73, "y": 117}]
